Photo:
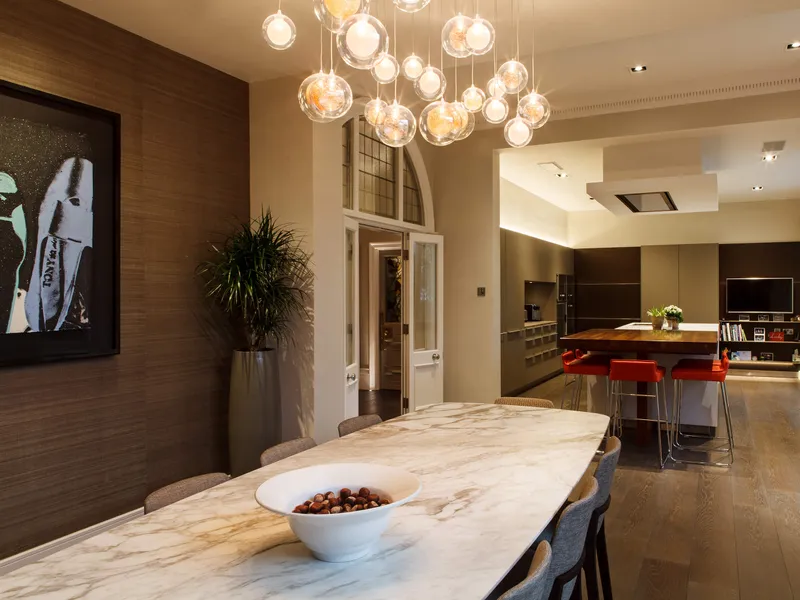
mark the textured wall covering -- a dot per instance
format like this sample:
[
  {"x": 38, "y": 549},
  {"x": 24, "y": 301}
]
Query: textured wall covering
[{"x": 83, "y": 441}]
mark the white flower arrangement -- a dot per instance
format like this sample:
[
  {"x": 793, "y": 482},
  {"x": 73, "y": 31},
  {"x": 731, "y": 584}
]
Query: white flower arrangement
[{"x": 673, "y": 313}]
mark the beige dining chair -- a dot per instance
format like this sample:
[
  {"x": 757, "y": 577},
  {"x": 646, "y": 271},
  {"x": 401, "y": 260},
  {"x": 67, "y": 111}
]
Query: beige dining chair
[
  {"x": 536, "y": 585},
  {"x": 286, "y": 449},
  {"x": 349, "y": 426},
  {"x": 521, "y": 401},
  {"x": 182, "y": 489}
]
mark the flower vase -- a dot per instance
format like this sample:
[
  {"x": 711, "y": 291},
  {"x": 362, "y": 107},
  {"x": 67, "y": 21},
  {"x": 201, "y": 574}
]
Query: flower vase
[
  {"x": 674, "y": 324},
  {"x": 658, "y": 323}
]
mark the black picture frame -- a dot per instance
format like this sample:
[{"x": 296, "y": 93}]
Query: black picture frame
[{"x": 102, "y": 130}]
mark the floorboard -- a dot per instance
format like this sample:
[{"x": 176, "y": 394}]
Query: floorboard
[{"x": 706, "y": 533}]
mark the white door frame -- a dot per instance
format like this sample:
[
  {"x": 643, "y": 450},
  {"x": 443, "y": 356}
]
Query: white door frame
[{"x": 351, "y": 369}]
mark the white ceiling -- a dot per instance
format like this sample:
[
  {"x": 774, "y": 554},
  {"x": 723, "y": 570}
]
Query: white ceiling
[
  {"x": 733, "y": 153},
  {"x": 584, "y": 47}
]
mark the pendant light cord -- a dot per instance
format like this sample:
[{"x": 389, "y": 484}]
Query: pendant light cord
[
  {"x": 495, "y": 45},
  {"x": 331, "y": 52},
  {"x": 430, "y": 12},
  {"x": 515, "y": 5},
  {"x": 394, "y": 35},
  {"x": 321, "y": 46},
  {"x": 533, "y": 43}
]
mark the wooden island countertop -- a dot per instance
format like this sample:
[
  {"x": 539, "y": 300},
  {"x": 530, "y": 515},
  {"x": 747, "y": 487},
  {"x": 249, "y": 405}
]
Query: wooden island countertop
[{"x": 643, "y": 341}]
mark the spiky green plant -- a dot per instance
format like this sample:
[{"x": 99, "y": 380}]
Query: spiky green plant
[{"x": 259, "y": 276}]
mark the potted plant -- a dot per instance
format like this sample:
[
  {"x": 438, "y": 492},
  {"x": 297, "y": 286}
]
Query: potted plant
[
  {"x": 674, "y": 316},
  {"x": 656, "y": 315},
  {"x": 259, "y": 277}
]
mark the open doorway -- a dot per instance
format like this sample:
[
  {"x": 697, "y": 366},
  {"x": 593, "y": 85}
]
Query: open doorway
[{"x": 380, "y": 322}]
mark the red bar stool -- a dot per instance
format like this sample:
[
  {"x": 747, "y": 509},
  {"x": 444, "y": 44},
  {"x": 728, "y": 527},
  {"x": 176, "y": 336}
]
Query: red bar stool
[
  {"x": 640, "y": 371},
  {"x": 580, "y": 365},
  {"x": 715, "y": 371}
]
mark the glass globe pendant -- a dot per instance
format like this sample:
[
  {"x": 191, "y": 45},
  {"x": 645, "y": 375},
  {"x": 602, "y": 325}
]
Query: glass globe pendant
[
  {"x": 397, "y": 125},
  {"x": 411, "y": 6},
  {"x": 460, "y": 119},
  {"x": 436, "y": 123},
  {"x": 513, "y": 76},
  {"x": 325, "y": 96},
  {"x": 534, "y": 109},
  {"x": 279, "y": 31},
  {"x": 385, "y": 70},
  {"x": 518, "y": 133},
  {"x": 473, "y": 98},
  {"x": 480, "y": 36},
  {"x": 495, "y": 110},
  {"x": 412, "y": 67},
  {"x": 361, "y": 39},
  {"x": 333, "y": 13},
  {"x": 495, "y": 87},
  {"x": 373, "y": 111},
  {"x": 454, "y": 36},
  {"x": 431, "y": 84}
]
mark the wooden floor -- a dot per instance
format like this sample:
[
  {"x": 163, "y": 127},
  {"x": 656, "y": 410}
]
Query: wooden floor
[
  {"x": 384, "y": 403},
  {"x": 704, "y": 533}
]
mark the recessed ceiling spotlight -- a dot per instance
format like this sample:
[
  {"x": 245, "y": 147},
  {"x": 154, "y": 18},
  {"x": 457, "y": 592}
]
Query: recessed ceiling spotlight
[
  {"x": 793, "y": 46},
  {"x": 769, "y": 157},
  {"x": 758, "y": 188},
  {"x": 562, "y": 175},
  {"x": 639, "y": 69}
]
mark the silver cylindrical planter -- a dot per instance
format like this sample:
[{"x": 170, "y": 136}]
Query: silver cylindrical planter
[{"x": 254, "y": 413}]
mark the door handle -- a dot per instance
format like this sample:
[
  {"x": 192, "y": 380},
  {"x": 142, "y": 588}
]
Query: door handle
[
  {"x": 436, "y": 357},
  {"x": 351, "y": 378}
]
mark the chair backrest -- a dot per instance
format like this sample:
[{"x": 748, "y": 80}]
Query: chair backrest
[
  {"x": 604, "y": 474},
  {"x": 726, "y": 362},
  {"x": 530, "y": 402},
  {"x": 286, "y": 449},
  {"x": 182, "y": 489},
  {"x": 634, "y": 370},
  {"x": 349, "y": 426},
  {"x": 568, "y": 357},
  {"x": 570, "y": 534},
  {"x": 536, "y": 585}
]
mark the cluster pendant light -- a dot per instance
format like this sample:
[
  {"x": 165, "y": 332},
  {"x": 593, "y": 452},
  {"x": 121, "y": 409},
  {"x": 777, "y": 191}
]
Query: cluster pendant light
[{"x": 363, "y": 43}]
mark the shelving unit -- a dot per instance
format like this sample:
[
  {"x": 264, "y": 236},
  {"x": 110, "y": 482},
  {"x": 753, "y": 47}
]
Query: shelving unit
[
  {"x": 529, "y": 354},
  {"x": 781, "y": 350}
]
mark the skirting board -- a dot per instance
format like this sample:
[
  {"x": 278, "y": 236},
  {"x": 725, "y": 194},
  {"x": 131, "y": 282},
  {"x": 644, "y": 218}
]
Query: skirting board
[{"x": 22, "y": 559}]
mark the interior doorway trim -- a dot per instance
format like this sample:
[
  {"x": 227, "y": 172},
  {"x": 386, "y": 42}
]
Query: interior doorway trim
[{"x": 375, "y": 249}]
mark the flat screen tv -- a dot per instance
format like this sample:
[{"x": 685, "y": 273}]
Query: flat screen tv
[{"x": 761, "y": 295}]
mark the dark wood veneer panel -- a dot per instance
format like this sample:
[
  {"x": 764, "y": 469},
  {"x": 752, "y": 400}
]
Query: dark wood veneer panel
[
  {"x": 608, "y": 265},
  {"x": 84, "y": 441}
]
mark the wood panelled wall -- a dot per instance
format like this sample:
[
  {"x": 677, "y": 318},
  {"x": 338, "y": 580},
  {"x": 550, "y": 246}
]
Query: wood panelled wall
[
  {"x": 83, "y": 441},
  {"x": 607, "y": 287}
]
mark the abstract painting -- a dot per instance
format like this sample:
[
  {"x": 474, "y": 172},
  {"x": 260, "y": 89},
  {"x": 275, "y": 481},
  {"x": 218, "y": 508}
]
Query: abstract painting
[{"x": 59, "y": 221}]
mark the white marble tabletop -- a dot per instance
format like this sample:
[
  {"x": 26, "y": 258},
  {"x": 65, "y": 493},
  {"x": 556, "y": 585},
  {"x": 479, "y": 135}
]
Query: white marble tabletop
[{"x": 492, "y": 477}]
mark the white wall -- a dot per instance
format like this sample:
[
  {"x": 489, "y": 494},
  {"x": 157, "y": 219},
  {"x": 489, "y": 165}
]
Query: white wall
[
  {"x": 738, "y": 222},
  {"x": 526, "y": 213}
]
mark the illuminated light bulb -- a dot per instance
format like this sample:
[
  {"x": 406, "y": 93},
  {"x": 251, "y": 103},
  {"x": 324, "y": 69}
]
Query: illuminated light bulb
[
  {"x": 385, "y": 70},
  {"x": 325, "y": 96},
  {"x": 468, "y": 129},
  {"x": 279, "y": 31},
  {"x": 495, "y": 87},
  {"x": 397, "y": 126},
  {"x": 411, "y": 6},
  {"x": 517, "y": 132},
  {"x": 480, "y": 36},
  {"x": 361, "y": 40},
  {"x": 495, "y": 110},
  {"x": 460, "y": 118},
  {"x": 412, "y": 67},
  {"x": 454, "y": 36},
  {"x": 534, "y": 109},
  {"x": 431, "y": 84},
  {"x": 333, "y": 13},
  {"x": 513, "y": 75},
  {"x": 373, "y": 111},
  {"x": 436, "y": 123},
  {"x": 473, "y": 98}
]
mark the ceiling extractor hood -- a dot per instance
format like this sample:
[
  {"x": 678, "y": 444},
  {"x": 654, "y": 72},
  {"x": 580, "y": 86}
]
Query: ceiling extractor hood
[{"x": 656, "y": 178}]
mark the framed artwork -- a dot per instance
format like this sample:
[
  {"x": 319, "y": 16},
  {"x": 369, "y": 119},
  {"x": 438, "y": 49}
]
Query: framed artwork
[{"x": 59, "y": 228}]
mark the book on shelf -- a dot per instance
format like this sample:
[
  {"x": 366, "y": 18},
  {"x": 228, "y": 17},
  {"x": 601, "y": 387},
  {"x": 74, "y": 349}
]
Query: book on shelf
[{"x": 732, "y": 332}]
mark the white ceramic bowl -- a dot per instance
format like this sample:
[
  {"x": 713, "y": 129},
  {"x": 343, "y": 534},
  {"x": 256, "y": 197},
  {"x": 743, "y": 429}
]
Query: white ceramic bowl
[{"x": 345, "y": 536}]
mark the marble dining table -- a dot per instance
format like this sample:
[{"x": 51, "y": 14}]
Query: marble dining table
[{"x": 492, "y": 478}]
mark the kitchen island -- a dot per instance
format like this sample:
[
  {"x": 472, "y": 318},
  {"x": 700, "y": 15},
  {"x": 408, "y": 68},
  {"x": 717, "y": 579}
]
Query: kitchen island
[{"x": 639, "y": 340}]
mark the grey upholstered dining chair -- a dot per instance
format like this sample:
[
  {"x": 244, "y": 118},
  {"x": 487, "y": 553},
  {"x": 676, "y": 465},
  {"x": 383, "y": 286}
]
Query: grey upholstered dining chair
[
  {"x": 531, "y": 402},
  {"x": 536, "y": 585},
  {"x": 596, "y": 548},
  {"x": 286, "y": 449},
  {"x": 182, "y": 489},
  {"x": 569, "y": 540},
  {"x": 349, "y": 426}
]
